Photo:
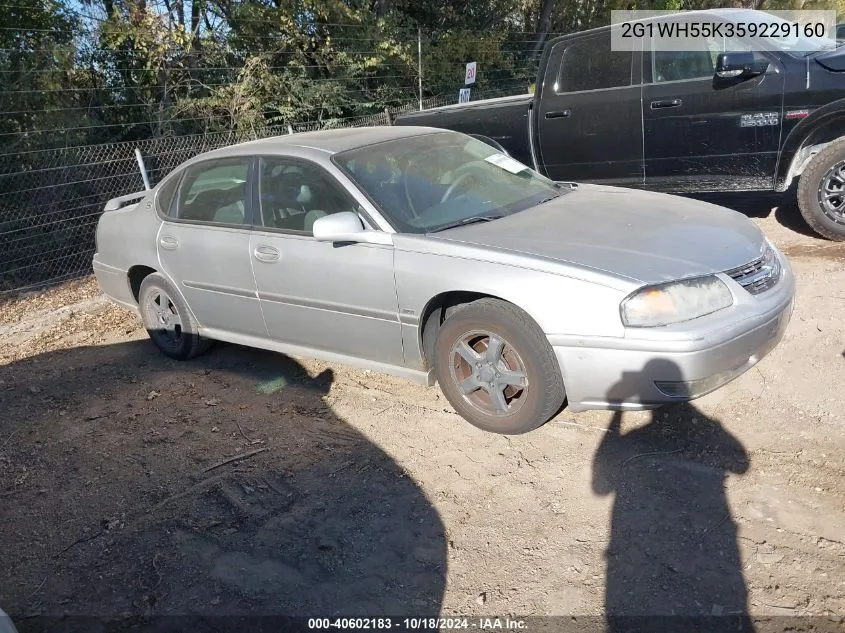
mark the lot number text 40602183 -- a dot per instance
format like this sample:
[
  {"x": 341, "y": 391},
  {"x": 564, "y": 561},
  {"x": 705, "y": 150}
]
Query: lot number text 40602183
[{"x": 412, "y": 624}]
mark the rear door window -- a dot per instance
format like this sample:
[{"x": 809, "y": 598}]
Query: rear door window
[
  {"x": 589, "y": 64},
  {"x": 216, "y": 191}
]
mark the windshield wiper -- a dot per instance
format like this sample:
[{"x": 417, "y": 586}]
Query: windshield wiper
[
  {"x": 549, "y": 199},
  {"x": 471, "y": 220}
]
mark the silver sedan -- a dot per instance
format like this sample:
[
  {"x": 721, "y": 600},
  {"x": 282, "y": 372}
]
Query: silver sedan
[{"x": 431, "y": 255}]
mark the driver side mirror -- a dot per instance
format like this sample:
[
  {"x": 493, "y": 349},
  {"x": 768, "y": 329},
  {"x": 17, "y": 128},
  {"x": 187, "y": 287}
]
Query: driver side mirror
[
  {"x": 346, "y": 226},
  {"x": 740, "y": 65}
]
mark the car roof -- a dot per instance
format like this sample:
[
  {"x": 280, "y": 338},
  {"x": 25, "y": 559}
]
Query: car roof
[{"x": 328, "y": 141}]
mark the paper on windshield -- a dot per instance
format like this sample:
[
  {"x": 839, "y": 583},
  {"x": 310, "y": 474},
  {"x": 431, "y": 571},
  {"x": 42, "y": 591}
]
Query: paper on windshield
[{"x": 507, "y": 163}]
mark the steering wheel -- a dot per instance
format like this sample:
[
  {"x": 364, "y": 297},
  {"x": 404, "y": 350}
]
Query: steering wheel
[
  {"x": 413, "y": 161},
  {"x": 460, "y": 174},
  {"x": 411, "y": 207}
]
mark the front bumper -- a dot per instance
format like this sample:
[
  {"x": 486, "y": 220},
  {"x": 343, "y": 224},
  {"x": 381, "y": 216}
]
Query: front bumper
[{"x": 608, "y": 373}]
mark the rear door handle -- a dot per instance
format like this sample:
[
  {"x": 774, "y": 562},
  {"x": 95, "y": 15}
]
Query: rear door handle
[
  {"x": 666, "y": 103},
  {"x": 268, "y": 254},
  {"x": 558, "y": 114},
  {"x": 168, "y": 242}
]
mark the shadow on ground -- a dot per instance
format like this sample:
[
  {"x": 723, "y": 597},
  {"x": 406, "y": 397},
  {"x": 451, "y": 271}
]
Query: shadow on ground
[
  {"x": 673, "y": 547},
  {"x": 116, "y": 501}
]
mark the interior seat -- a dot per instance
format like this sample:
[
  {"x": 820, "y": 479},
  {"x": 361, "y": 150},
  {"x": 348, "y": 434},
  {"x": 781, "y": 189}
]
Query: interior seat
[
  {"x": 217, "y": 205},
  {"x": 311, "y": 217}
]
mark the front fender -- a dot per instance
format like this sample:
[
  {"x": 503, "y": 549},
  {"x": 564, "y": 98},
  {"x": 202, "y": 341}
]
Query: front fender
[
  {"x": 558, "y": 304},
  {"x": 810, "y": 131}
]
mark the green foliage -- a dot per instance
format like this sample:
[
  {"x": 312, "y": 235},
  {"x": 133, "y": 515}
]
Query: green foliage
[
  {"x": 37, "y": 62},
  {"x": 117, "y": 70}
]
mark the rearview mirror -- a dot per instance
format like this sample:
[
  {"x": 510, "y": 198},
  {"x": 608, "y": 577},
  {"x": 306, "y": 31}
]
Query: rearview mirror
[
  {"x": 346, "y": 226},
  {"x": 740, "y": 65}
]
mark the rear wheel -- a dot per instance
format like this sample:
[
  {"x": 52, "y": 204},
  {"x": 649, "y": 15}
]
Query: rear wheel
[
  {"x": 497, "y": 369},
  {"x": 821, "y": 192},
  {"x": 167, "y": 319}
]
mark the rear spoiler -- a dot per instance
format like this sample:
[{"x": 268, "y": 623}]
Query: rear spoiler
[{"x": 117, "y": 203}]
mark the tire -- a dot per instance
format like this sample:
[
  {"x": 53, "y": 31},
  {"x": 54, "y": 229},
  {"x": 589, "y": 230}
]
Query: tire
[
  {"x": 171, "y": 327},
  {"x": 536, "y": 391},
  {"x": 825, "y": 170}
]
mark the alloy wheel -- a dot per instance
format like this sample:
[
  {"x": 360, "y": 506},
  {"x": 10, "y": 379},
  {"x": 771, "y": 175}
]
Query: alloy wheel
[
  {"x": 832, "y": 193},
  {"x": 164, "y": 319},
  {"x": 489, "y": 373}
]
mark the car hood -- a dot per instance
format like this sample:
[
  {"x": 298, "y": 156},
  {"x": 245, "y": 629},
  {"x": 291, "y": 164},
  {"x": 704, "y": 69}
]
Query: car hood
[{"x": 643, "y": 236}]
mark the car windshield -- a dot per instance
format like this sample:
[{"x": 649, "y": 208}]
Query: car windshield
[{"x": 440, "y": 180}]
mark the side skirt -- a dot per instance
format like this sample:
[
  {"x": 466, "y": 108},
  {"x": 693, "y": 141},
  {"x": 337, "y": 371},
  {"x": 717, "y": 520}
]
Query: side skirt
[{"x": 414, "y": 375}]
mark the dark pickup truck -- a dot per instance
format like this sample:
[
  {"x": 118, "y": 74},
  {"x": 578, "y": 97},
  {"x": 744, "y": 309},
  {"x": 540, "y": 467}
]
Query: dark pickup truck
[{"x": 733, "y": 116}]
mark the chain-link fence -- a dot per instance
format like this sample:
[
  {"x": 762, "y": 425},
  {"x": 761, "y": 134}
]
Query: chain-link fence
[{"x": 51, "y": 200}]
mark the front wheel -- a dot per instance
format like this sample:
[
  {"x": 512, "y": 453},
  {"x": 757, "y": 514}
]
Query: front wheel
[
  {"x": 821, "y": 192},
  {"x": 497, "y": 369}
]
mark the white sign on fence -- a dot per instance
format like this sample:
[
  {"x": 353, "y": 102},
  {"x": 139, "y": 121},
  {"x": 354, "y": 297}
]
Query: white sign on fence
[
  {"x": 469, "y": 78},
  {"x": 463, "y": 96}
]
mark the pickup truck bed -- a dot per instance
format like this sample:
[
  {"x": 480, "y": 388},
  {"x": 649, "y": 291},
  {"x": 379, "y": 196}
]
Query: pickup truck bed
[{"x": 504, "y": 120}]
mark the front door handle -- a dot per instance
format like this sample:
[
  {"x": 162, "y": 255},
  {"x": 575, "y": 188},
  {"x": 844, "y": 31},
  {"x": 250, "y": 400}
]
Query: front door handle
[
  {"x": 168, "y": 242},
  {"x": 558, "y": 114},
  {"x": 268, "y": 254},
  {"x": 666, "y": 103}
]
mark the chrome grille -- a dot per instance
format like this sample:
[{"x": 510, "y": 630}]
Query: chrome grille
[{"x": 759, "y": 275}]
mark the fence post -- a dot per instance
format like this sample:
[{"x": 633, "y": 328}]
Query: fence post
[
  {"x": 388, "y": 116},
  {"x": 419, "y": 63}
]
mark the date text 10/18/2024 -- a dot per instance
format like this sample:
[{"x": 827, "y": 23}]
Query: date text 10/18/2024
[{"x": 409, "y": 624}]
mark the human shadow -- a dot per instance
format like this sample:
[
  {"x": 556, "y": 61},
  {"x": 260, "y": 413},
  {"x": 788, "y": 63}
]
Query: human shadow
[
  {"x": 118, "y": 500},
  {"x": 673, "y": 560}
]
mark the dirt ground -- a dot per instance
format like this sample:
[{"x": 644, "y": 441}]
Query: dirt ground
[{"x": 245, "y": 482}]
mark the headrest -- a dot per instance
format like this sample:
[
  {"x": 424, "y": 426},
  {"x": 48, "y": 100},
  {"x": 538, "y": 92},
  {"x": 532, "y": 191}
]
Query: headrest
[{"x": 304, "y": 196}]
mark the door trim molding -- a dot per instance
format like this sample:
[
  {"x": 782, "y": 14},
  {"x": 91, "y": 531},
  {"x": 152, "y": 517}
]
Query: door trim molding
[
  {"x": 301, "y": 302},
  {"x": 229, "y": 290}
]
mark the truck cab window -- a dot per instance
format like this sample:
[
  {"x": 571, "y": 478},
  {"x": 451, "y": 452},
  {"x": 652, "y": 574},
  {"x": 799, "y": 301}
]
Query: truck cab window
[
  {"x": 679, "y": 65},
  {"x": 589, "y": 64},
  {"x": 693, "y": 64}
]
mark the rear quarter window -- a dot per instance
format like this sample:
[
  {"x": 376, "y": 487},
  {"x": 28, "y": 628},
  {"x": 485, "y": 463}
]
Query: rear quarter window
[{"x": 164, "y": 198}]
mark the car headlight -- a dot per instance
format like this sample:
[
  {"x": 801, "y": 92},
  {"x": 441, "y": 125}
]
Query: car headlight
[{"x": 674, "y": 302}]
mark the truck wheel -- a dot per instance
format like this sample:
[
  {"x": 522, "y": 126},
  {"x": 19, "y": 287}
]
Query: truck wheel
[
  {"x": 167, "y": 319},
  {"x": 497, "y": 369},
  {"x": 821, "y": 192}
]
